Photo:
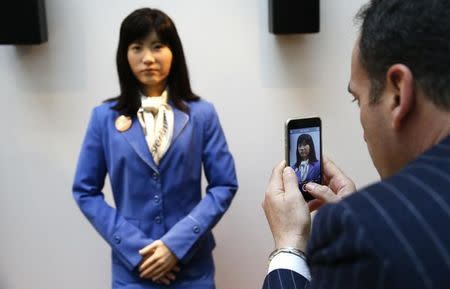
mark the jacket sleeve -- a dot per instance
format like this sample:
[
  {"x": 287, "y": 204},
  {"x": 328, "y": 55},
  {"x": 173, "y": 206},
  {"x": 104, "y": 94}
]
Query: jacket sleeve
[
  {"x": 125, "y": 239},
  {"x": 341, "y": 254},
  {"x": 222, "y": 185},
  {"x": 285, "y": 279}
]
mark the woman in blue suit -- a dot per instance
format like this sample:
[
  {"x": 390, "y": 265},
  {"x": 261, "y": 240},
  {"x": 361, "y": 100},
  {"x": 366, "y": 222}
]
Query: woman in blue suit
[
  {"x": 307, "y": 166},
  {"x": 152, "y": 141}
]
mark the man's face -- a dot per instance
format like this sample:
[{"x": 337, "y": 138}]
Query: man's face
[{"x": 373, "y": 117}]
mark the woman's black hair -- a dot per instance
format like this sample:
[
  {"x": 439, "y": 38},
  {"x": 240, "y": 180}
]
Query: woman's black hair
[
  {"x": 137, "y": 26},
  {"x": 306, "y": 139}
]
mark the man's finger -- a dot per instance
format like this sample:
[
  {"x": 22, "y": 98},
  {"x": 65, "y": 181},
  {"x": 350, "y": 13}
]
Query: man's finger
[
  {"x": 276, "y": 179},
  {"x": 322, "y": 193},
  {"x": 330, "y": 170},
  {"x": 315, "y": 204},
  {"x": 290, "y": 182}
]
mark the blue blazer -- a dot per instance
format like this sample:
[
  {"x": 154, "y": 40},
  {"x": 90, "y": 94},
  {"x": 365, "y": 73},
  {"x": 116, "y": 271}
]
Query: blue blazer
[
  {"x": 157, "y": 202},
  {"x": 394, "y": 234},
  {"x": 313, "y": 172}
]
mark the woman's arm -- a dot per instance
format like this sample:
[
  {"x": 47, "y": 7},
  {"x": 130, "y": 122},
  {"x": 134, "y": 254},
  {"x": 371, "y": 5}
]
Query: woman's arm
[
  {"x": 125, "y": 239},
  {"x": 220, "y": 172}
]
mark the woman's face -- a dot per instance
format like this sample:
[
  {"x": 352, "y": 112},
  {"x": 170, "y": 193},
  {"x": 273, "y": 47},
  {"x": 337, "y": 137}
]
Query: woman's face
[
  {"x": 150, "y": 61},
  {"x": 303, "y": 150}
]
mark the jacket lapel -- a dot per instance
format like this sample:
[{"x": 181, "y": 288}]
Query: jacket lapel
[
  {"x": 135, "y": 136},
  {"x": 180, "y": 121}
]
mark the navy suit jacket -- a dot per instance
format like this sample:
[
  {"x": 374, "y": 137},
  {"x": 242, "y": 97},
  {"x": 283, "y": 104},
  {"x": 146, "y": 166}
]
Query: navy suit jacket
[
  {"x": 393, "y": 234},
  {"x": 157, "y": 202}
]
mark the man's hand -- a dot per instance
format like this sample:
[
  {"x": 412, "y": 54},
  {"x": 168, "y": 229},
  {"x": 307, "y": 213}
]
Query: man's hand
[
  {"x": 159, "y": 263},
  {"x": 336, "y": 186},
  {"x": 286, "y": 210}
]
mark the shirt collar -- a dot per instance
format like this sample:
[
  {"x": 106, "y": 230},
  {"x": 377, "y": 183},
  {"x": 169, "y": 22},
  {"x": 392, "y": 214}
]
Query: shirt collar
[{"x": 161, "y": 99}]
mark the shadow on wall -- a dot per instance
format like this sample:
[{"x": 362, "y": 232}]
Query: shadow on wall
[
  {"x": 288, "y": 61},
  {"x": 295, "y": 61},
  {"x": 60, "y": 65}
]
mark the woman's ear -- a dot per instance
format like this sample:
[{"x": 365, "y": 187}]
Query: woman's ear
[{"x": 400, "y": 82}]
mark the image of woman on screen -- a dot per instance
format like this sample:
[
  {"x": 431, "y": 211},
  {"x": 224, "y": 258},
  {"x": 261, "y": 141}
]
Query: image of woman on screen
[
  {"x": 153, "y": 141},
  {"x": 307, "y": 166}
]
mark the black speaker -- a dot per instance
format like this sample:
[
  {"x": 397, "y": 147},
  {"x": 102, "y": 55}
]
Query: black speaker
[
  {"x": 23, "y": 22},
  {"x": 294, "y": 16}
]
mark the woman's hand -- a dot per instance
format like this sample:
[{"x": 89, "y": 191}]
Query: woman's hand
[
  {"x": 336, "y": 186},
  {"x": 159, "y": 263},
  {"x": 169, "y": 277}
]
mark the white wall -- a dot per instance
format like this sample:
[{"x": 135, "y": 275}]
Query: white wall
[{"x": 255, "y": 79}]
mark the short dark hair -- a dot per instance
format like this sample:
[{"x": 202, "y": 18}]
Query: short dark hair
[
  {"x": 305, "y": 139},
  {"x": 136, "y": 26},
  {"x": 415, "y": 33}
]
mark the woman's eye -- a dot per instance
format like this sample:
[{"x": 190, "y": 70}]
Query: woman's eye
[
  {"x": 158, "y": 46},
  {"x": 136, "y": 47}
]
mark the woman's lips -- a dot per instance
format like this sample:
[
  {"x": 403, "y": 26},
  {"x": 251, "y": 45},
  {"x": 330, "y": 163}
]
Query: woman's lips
[{"x": 149, "y": 70}]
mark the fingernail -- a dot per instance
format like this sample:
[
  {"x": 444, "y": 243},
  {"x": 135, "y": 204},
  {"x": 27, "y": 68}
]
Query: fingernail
[
  {"x": 309, "y": 187},
  {"x": 288, "y": 170}
]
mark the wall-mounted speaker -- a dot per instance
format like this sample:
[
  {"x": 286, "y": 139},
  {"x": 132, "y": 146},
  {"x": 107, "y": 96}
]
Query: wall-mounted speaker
[
  {"x": 294, "y": 16},
  {"x": 23, "y": 22}
]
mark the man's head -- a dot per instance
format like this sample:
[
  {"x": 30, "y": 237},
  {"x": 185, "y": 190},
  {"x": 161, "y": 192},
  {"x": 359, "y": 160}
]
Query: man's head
[{"x": 401, "y": 78}]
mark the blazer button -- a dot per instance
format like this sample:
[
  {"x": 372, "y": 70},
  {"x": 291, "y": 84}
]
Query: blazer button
[
  {"x": 155, "y": 176},
  {"x": 196, "y": 229},
  {"x": 158, "y": 220},
  {"x": 156, "y": 199},
  {"x": 117, "y": 239}
]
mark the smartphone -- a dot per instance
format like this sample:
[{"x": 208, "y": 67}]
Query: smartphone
[{"x": 304, "y": 151}]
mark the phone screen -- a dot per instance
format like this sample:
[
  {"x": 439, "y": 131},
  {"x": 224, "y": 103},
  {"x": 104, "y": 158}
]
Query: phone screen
[{"x": 305, "y": 148}]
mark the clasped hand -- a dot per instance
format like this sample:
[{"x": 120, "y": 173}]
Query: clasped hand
[{"x": 158, "y": 263}]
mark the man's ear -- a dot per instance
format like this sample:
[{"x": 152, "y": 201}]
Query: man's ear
[{"x": 400, "y": 83}]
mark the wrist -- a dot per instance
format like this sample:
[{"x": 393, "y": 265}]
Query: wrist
[
  {"x": 288, "y": 250},
  {"x": 297, "y": 242}
]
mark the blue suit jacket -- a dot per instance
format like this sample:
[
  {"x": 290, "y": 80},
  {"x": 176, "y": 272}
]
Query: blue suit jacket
[
  {"x": 157, "y": 202},
  {"x": 313, "y": 172},
  {"x": 394, "y": 234}
]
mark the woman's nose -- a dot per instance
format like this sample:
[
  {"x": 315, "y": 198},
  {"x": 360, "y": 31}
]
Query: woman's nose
[{"x": 148, "y": 57}]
